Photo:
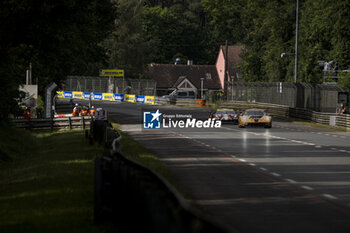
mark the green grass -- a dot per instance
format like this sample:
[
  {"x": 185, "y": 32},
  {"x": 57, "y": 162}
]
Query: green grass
[
  {"x": 313, "y": 124},
  {"x": 15, "y": 143},
  {"x": 47, "y": 186},
  {"x": 138, "y": 153}
]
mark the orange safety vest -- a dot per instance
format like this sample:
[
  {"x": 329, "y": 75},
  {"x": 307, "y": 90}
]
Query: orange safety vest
[
  {"x": 75, "y": 111},
  {"x": 92, "y": 112},
  {"x": 84, "y": 112}
]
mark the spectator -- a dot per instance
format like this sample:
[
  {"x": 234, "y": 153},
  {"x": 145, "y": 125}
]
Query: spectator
[
  {"x": 84, "y": 111},
  {"x": 92, "y": 111},
  {"x": 27, "y": 114},
  {"x": 76, "y": 110},
  {"x": 343, "y": 110}
]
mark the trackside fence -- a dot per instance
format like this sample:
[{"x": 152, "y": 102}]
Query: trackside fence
[
  {"x": 57, "y": 122},
  {"x": 320, "y": 97},
  {"x": 286, "y": 112},
  {"x": 138, "y": 200},
  {"x": 110, "y": 85}
]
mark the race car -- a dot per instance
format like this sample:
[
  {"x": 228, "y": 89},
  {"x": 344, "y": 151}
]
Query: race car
[
  {"x": 255, "y": 117},
  {"x": 225, "y": 115}
]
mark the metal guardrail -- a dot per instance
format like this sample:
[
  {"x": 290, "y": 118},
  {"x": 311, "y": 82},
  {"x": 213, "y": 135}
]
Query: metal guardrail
[
  {"x": 174, "y": 101},
  {"x": 71, "y": 122},
  {"x": 138, "y": 200},
  {"x": 285, "y": 111}
]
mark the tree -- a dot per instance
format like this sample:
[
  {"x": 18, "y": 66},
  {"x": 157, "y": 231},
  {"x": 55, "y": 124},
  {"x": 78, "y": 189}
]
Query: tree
[
  {"x": 323, "y": 37},
  {"x": 269, "y": 32},
  {"x": 126, "y": 46},
  {"x": 57, "y": 37}
]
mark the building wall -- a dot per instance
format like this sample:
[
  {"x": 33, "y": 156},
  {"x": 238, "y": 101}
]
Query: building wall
[{"x": 220, "y": 67}]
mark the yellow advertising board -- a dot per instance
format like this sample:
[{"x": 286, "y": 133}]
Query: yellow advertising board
[
  {"x": 111, "y": 73},
  {"x": 77, "y": 95},
  {"x": 107, "y": 96},
  {"x": 59, "y": 94},
  {"x": 130, "y": 98},
  {"x": 149, "y": 100}
]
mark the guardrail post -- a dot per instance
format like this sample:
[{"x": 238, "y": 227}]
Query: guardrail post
[
  {"x": 83, "y": 122},
  {"x": 70, "y": 122},
  {"x": 51, "y": 123}
]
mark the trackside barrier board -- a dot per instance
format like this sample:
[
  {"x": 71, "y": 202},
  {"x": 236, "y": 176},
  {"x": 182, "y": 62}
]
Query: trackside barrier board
[
  {"x": 130, "y": 98},
  {"x": 86, "y": 95},
  {"x": 97, "y": 96},
  {"x": 107, "y": 97},
  {"x": 59, "y": 94},
  {"x": 149, "y": 100},
  {"x": 77, "y": 94},
  {"x": 140, "y": 99},
  {"x": 67, "y": 94},
  {"x": 118, "y": 97}
]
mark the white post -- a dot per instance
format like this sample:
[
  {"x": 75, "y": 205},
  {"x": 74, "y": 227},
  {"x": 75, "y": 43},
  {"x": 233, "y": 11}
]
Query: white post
[
  {"x": 232, "y": 88},
  {"x": 296, "y": 43},
  {"x": 30, "y": 74},
  {"x": 202, "y": 79},
  {"x": 123, "y": 83}
]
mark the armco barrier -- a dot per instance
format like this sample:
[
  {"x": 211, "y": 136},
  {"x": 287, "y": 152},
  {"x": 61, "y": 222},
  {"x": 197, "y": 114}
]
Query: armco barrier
[
  {"x": 285, "y": 111},
  {"x": 175, "y": 101},
  {"x": 138, "y": 200},
  {"x": 70, "y": 122}
]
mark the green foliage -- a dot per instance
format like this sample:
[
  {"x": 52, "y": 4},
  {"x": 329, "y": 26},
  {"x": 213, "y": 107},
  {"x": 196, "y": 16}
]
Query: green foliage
[
  {"x": 270, "y": 31},
  {"x": 57, "y": 37},
  {"x": 226, "y": 19},
  {"x": 78, "y": 37},
  {"x": 344, "y": 82},
  {"x": 323, "y": 37},
  {"x": 157, "y": 32}
]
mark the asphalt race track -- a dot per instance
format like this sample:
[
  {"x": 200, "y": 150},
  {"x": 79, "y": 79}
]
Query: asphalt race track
[{"x": 290, "y": 178}]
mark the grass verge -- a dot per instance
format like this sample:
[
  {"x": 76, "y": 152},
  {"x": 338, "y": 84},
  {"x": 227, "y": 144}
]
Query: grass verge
[
  {"x": 15, "y": 143},
  {"x": 48, "y": 185},
  {"x": 313, "y": 124},
  {"x": 138, "y": 153}
]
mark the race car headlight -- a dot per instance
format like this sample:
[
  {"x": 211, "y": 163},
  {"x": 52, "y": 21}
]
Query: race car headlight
[
  {"x": 267, "y": 118},
  {"x": 245, "y": 118}
]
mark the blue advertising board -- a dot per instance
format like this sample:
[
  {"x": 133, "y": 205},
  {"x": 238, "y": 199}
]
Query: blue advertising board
[
  {"x": 68, "y": 94},
  {"x": 118, "y": 97},
  {"x": 97, "y": 96},
  {"x": 86, "y": 95},
  {"x": 140, "y": 99}
]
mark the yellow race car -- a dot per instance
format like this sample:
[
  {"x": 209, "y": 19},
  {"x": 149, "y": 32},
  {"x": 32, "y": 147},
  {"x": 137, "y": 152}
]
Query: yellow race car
[{"x": 255, "y": 117}]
